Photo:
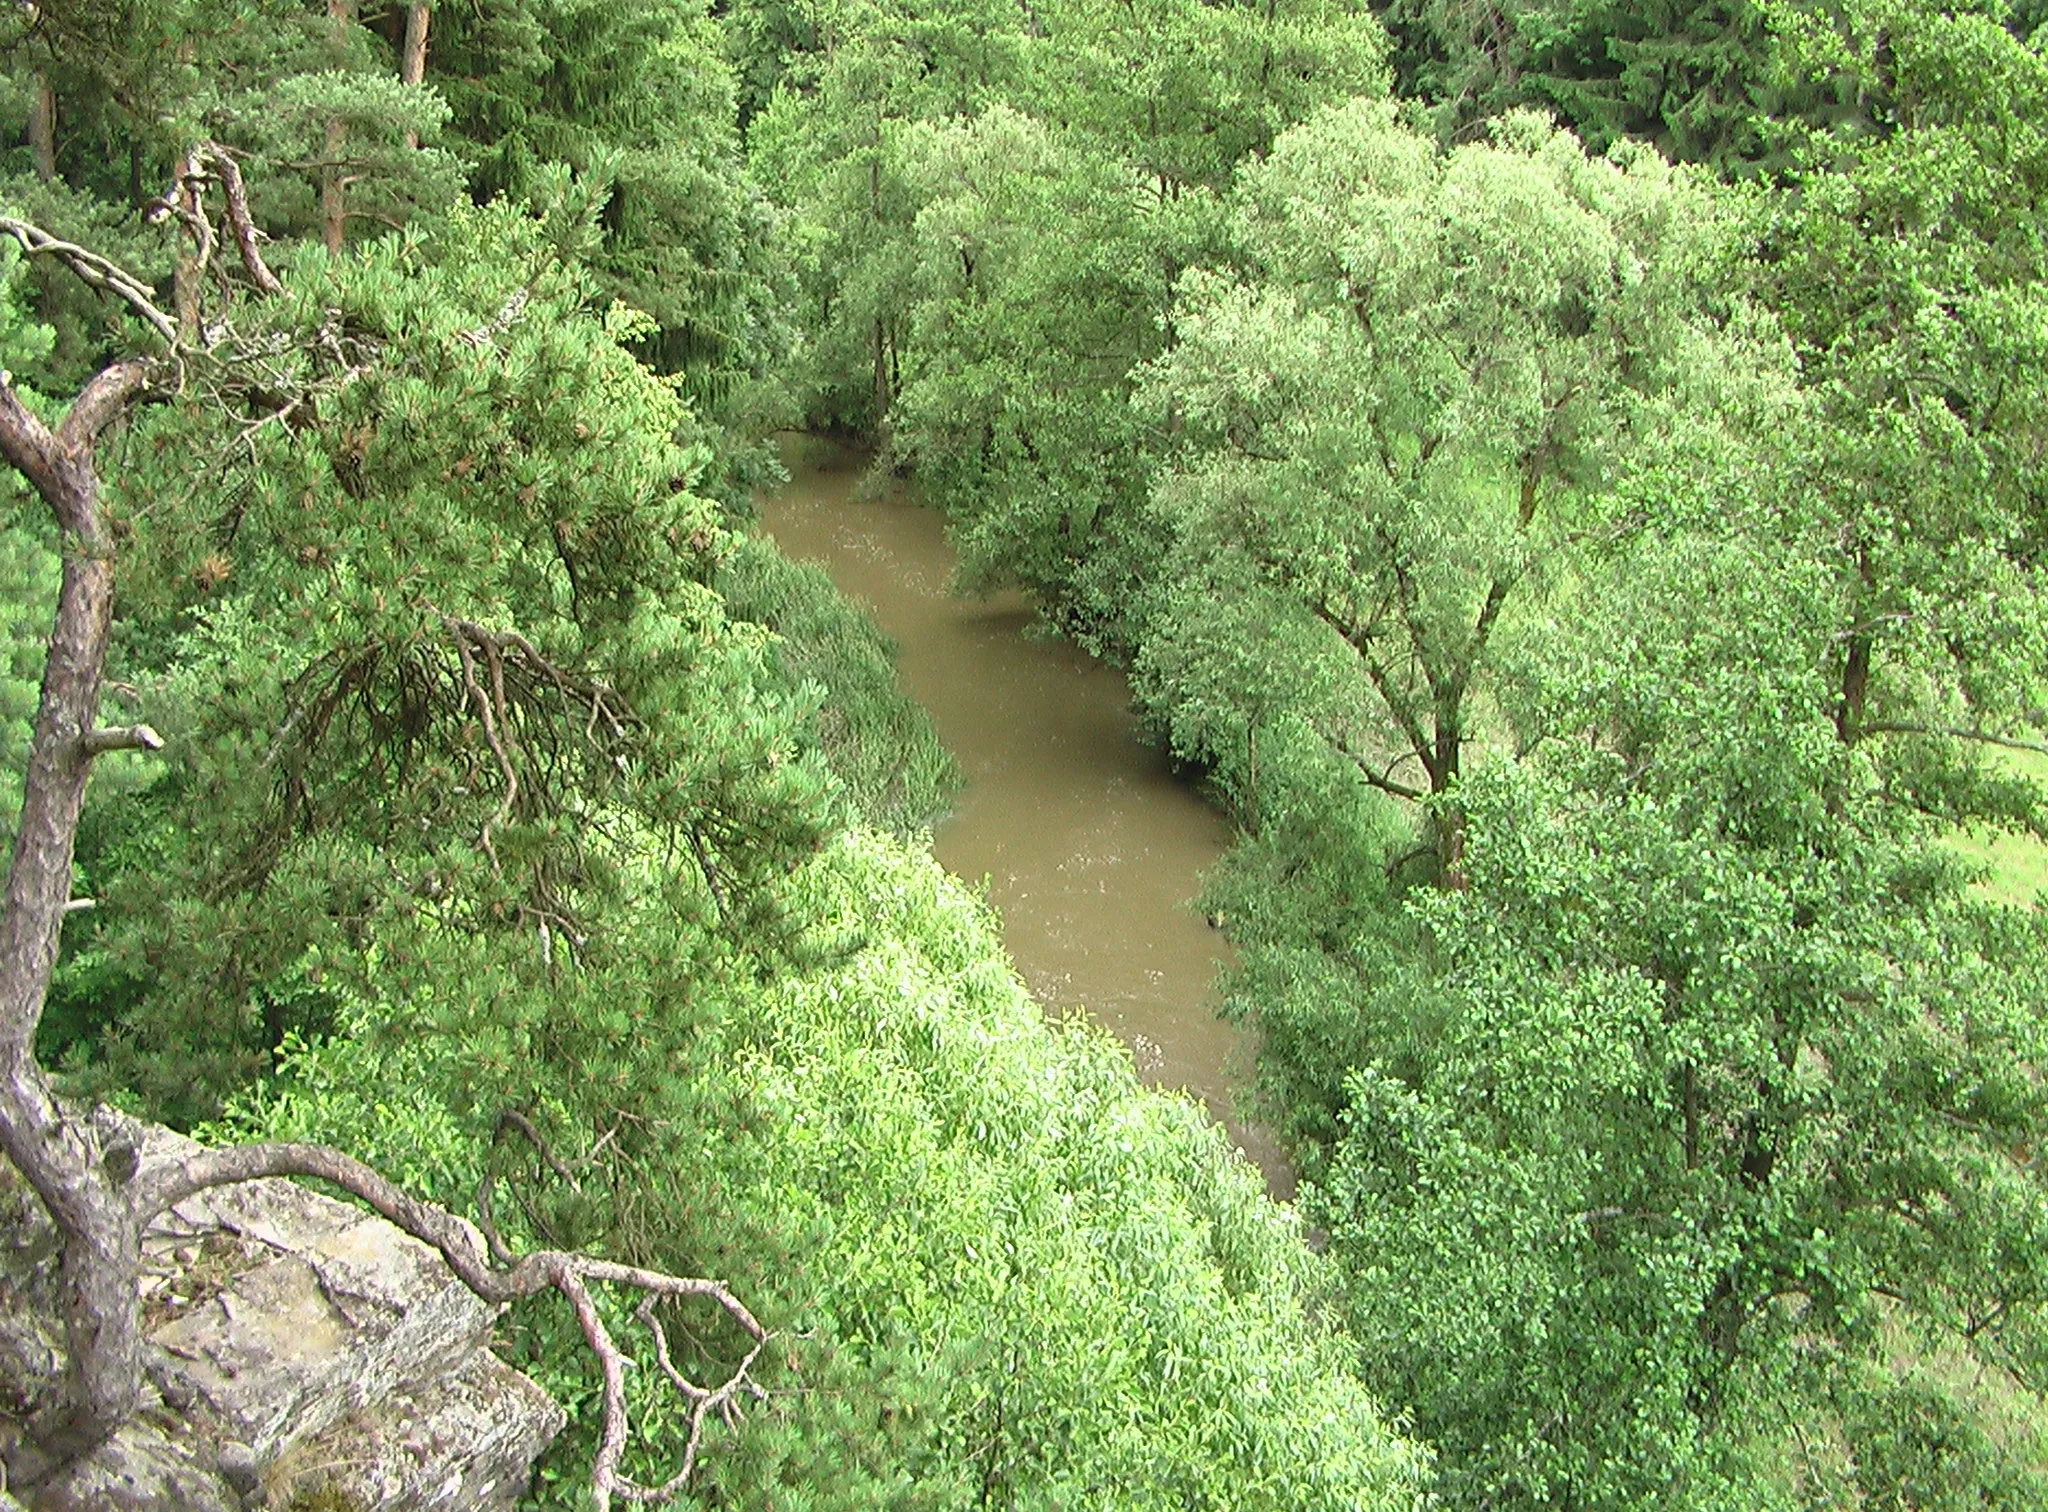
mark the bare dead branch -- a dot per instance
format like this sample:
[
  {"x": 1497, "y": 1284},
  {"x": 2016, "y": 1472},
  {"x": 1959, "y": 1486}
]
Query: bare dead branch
[
  {"x": 520, "y": 1124},
  {"x": 1395, "y": 865},
  {"x": 96, "y": 271},
  {"x": 164, "y": 1184},
  {"x": 702, "y": 1403},
  {"x": 704, "y": 866},
  {"x": 139, "y": 737},
  {"x": 506, "y": 318},
  {"x": 488, "y": 707},
  {"x": 516, "y": 1122},
  {"x": 240, "y": 226},
  {"x": 1877, "y": 621},
  {"x": 606, "y": 705},
  {"x": 1385, "y": 781}
]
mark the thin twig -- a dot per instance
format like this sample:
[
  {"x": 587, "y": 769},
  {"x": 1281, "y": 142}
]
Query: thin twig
[
  {"x": 520, "y": 1124},
  {"x": 164, "y": 1184},
  {"x": 1959, "y": 732}
]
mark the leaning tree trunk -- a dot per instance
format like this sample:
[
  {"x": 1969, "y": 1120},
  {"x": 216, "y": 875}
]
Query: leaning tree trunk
[{"x": 60, "y": 1159}]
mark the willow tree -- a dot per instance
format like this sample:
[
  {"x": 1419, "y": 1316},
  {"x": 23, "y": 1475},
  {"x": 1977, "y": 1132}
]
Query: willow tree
[
  {"x": 1408, "y": 409},
  {"x": 1023, "y": 349},
  {"x": 1908, "y": 266},
  {"x": 1686, "y": 1160}
]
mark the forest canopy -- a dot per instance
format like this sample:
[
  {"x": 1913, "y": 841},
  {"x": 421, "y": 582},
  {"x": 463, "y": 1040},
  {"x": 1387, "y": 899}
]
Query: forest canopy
[{"x": 1565, "y": 479}]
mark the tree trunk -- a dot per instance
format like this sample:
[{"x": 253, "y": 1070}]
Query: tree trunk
[
  {"x": 1443, "y": 764},
  {"x": 1450, "y": 848},
  {"x": 1856, "y": 659},
  {"x": 60, "y": 1159},
  {"x": 1251, "y": 774},
  {"x": 42, "y": 128},
  {"x": 882, "y": 390},
  {"x": 1855, "y": 688},
  {"x": 90, "y": 1178},
  {"x": 333, "y": 191},
  {"x": 412, "y": 60},
  {"x": 333, "y": 185},
  {"x": 186, "y": 276}
]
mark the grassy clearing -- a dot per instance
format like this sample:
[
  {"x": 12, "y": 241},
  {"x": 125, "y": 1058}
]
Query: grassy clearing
[{"x": 2018, "y": 864}]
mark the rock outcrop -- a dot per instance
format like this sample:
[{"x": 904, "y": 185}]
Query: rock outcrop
[{"x": 308, "y": 1350}]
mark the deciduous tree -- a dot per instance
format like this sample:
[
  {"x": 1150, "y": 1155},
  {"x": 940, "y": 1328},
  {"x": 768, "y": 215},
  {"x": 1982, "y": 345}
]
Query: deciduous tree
[{"x": 1411, "y": 406}]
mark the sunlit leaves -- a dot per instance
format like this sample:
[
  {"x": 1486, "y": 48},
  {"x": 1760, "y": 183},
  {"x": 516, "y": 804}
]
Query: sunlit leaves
[{"x": 1412, "y": 409}]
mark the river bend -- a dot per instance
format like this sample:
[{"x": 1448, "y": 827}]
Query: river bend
[{"x": 1089, "y": 846}]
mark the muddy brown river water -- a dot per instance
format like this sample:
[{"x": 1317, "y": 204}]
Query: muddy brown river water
[{"x": 1089, "y": 847}]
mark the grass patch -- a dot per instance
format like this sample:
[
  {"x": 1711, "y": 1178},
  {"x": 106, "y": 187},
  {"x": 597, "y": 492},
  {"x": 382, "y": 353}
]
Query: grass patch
[
  {"x": 876, "y": 738},
  {"x": 2016, "y": 865}
]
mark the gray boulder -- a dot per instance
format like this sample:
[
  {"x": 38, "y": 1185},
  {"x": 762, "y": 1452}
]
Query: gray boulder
[{"x": 305, "y": 1345}]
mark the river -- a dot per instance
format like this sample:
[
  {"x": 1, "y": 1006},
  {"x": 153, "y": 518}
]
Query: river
[{"x": 1088, "y": 847}]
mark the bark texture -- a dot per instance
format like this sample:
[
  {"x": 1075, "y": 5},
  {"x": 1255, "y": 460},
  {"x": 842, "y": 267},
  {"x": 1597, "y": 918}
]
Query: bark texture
[
  {"x": 42, "y": 128},
  {"x": 412, "y": 60},
  {"x": 412, "y": 57},
  {"x": 341, "y": 15},
  {"x": 61, "y": 1158}
]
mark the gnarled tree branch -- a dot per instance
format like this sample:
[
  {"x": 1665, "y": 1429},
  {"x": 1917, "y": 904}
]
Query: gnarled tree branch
[
  {"x": 95, "y": 271},
  {"x": 164, "y": 1184},
  {"x": 216, "y": 157},
  {"x": 97, "y": 1191}
]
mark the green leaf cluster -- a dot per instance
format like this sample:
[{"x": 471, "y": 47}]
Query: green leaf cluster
[{"x": 998, "y": 1273}]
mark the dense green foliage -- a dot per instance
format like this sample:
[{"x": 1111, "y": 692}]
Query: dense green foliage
[
  {"x": 1569, "y": 478},
  {"x": 1603, "y": 594},
  {"x": 505, "y": 770},
  {"x": 1004, "y": 1275},
  {"x": 1380, "y": 445}
]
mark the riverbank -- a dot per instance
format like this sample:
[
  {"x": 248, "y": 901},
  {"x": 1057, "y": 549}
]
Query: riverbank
[{"x": 1082, "y": 838}]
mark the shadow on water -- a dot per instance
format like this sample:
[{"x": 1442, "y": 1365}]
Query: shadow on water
[{"x": 1090, "y": 847}]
